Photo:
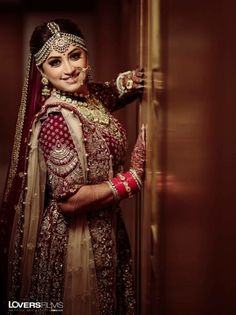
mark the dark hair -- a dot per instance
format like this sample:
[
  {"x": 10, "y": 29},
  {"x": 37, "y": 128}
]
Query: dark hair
[{"x": 42, "y": 33}]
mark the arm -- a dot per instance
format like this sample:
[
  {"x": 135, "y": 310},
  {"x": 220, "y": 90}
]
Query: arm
[
  {"x": 125, "y": 185},
  {"x": 88, "y": 197},
  {"x": 117, "y": 93}
]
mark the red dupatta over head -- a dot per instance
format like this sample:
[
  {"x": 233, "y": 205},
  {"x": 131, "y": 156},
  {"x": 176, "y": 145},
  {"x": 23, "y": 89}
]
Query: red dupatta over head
[{"x": 15, "y": 183}]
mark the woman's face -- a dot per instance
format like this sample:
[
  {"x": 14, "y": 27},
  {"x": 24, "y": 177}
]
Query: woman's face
[{"x": 63, "y": 70}]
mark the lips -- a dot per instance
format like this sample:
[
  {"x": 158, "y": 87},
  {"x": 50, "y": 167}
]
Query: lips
[{"x": 71, "y": 79}]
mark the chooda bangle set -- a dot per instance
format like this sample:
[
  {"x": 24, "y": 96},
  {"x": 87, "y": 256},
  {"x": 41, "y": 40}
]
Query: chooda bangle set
[{"x": 125, "y": 185}]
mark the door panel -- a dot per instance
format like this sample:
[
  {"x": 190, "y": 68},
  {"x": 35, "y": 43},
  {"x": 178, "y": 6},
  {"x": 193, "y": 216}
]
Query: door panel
[
  {"x": 191, "y": 153},
  {"x": 150, "y": 59}
]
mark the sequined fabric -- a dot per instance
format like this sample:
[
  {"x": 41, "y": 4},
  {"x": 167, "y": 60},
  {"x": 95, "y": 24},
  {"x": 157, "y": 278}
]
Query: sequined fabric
[
  {"x": 47, "y": 278},
  {"x": 105, "y": 147},
  {"x": 63, "y": 165}
]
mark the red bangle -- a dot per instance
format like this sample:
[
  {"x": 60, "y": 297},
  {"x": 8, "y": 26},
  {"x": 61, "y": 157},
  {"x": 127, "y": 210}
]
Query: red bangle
[{"x": 125, "y": 185}]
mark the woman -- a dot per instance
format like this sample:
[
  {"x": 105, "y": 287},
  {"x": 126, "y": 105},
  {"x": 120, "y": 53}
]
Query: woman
[{"x": 68, "y": 244}]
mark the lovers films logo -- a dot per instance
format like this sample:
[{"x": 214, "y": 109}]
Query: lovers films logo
[{"x": 27, "y": 306}]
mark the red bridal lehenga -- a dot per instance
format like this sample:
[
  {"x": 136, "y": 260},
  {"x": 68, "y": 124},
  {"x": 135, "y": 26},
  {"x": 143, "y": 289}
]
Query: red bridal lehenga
[{"x": 82, "y": 261}]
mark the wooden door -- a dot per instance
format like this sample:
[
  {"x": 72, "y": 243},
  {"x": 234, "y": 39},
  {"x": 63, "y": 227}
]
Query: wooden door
[
  {"x": 150, "y": 115},
  {"x": 188, "y": 251}
]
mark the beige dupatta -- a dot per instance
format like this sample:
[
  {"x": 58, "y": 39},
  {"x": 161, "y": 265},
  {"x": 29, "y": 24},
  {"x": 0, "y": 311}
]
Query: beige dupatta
[
  {"x": 80, "y": 294},
  {"x": 80, "y": 289}
]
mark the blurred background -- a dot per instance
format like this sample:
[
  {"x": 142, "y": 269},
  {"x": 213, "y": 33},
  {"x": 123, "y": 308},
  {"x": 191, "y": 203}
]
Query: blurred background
[{"x": 182, "y": 227}]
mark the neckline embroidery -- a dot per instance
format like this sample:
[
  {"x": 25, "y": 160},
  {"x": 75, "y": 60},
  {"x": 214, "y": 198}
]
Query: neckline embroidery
[{"x": 88, "y": 105}]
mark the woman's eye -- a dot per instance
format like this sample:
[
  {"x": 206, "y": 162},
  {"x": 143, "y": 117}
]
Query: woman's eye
[
  {"x": 75, "y": 56},
  {"x": 55, "y": 63}
]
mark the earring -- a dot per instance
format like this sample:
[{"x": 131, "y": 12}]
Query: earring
[
  {"x": 45, "y": 90},
  {"x": 89, "y": 74}
]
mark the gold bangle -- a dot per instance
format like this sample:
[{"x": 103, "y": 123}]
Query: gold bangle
[
  {"x": 136, "y": 178},
  {"x": 113, "y": 189}
]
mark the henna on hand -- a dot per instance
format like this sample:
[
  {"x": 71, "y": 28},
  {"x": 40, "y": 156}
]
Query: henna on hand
[
  {"x": 130, "y": 81},
  {"x": 138, "y": 155}
]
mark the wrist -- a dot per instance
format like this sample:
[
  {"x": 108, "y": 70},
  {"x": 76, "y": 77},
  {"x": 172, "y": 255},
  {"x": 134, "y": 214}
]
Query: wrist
[{"x": 125, "y": 185}]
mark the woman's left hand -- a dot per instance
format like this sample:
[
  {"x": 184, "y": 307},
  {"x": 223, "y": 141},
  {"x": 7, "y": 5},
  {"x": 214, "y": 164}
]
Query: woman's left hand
[
  {"x": 130, "y": 80},
  {"x": 138, "y": 156}
]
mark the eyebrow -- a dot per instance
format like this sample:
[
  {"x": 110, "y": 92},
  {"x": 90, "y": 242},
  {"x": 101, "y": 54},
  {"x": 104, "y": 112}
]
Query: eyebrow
[{"x": 57, "y": 57}]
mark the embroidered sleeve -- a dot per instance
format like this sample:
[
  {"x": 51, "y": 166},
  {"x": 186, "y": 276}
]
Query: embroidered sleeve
[
  {"x": 64, "y": 170},
  {"x": 110, "y": 97}
]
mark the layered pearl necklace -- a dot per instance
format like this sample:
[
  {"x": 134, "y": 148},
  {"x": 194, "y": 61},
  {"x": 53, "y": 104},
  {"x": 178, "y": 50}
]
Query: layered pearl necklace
[{"x": 87, "y": 105}]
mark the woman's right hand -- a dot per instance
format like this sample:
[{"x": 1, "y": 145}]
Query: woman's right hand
[
  {"x": 87, "y": 198},
  {"x": 70, "y": 205}
]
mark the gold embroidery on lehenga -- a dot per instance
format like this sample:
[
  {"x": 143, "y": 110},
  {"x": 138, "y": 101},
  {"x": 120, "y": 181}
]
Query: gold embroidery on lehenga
[
  {"x": 48, "y": 274},
  {"x": 113, "y": 270},
  {"x": 64, "y": 168},
  {"x": 62, "y": 160}
]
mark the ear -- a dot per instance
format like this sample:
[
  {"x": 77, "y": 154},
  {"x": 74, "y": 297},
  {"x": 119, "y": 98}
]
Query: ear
[{"x": 40, "y": 69}]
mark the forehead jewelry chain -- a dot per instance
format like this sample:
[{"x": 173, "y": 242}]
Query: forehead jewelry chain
[{"x": 59, "y": 41}]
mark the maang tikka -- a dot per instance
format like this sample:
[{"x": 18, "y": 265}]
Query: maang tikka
[{"x": 59, "y": 41}]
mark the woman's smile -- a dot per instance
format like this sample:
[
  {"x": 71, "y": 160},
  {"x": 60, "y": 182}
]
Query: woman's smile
[{"x": 71, "y": 79}]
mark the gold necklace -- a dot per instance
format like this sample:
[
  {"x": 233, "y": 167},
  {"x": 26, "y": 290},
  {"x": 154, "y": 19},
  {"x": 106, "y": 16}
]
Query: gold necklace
[
  {"x": 91, "y": 107},
  {"x": 69, "y": 98}
]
